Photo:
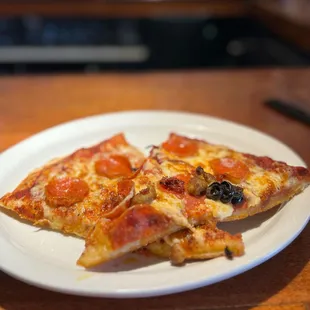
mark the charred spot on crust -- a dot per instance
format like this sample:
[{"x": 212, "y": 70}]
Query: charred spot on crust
[
  {"x": 228, "y": 253},
  {"x": 150, "y": 146},
  {"x": 158, "y": 159},
  {"x": 173, "y": 184},
  {"x": 301, "y": 171}
]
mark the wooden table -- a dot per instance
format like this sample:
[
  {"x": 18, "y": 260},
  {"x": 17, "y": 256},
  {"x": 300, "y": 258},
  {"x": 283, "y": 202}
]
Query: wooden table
[
  {"x": 289, "y": 19},
  {"x": 30, "y": 104},
  {"x": 124, "y": 8}
]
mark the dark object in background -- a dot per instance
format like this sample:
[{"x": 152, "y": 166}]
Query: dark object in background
[
  {"x": 35, "y": 44},
  {"x": 292, "y": 110}
]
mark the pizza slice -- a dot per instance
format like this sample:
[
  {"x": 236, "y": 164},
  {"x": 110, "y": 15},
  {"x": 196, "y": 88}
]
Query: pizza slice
[
  {"x": 246, "y": 183},
  {"x": 70, "y": 194},
  {"x": 204, "y": 242}
]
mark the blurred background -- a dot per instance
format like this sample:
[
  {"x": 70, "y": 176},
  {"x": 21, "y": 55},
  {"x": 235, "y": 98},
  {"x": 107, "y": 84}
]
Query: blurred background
[{"x": 96, "y": 36}]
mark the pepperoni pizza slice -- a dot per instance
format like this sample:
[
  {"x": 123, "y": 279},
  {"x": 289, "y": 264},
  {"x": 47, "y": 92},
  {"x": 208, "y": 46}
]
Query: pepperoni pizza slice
[
  {"x": 239, "y": 183},
  {"x": 70, "y": 194}
]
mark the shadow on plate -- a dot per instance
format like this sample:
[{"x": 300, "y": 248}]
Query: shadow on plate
[
  {"x": 251, "y": 222},
  {"x": 128, "y": 262}
]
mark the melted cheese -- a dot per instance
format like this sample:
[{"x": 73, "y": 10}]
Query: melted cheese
[{"x": 219, "y": 209}]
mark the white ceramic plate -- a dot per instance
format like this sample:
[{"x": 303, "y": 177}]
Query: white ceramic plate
[{"x": 47, "y": 259}]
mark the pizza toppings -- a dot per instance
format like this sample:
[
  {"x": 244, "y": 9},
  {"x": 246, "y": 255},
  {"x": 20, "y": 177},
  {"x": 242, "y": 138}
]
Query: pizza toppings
[
  {"x": 228, "y": 192},
  {"x": 181, "y": 146},
  {"x": 238, "y": 195},
  {"x": 228, "y": 253},
  {"x": 198, "y": 184},
  {"x": 209, "y": 178},
  {"x": 113, "y": 167},
  {"x": 173, "y": 184},
  {"x": 137, "y": 224},
  {"x": 231, "y": 169},
  {"x": 225, "y": 192},
  {"x": 215, "y": 191},
  {"x": 65, "y": 191},
  {"x": 145, "y": 196}
]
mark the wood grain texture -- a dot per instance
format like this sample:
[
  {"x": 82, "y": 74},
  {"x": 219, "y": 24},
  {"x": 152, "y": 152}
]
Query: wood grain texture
[
  {"x": 288, "y": 19},
  {"x": 121, "y": 8},
  {"x": 31, "y": 104},
  {"x": 297, "y": 11},
  {"x": 282, "y": 307}
]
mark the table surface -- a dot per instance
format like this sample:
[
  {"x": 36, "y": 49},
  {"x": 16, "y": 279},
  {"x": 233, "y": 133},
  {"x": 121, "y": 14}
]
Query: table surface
[
  {"x": 31, "y": 104},
  {"x": 124, "y": 8},
  {"x": 288, "y": 19},
  {"x": 297, "y": 11}
]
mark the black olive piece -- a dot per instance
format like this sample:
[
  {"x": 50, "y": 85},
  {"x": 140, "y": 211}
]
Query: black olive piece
[
  {"x": 236, "y": 200},
  {"x": 228, "y": 253},
  {"x": 214, "y": 191},
  {"x": 238, "y": 189},
  {"x": 238, "y": 195},
  {"x": 226, "y": 197},
  {"x": 228, "y": 192},
  {"x": 227, "y": 187}
]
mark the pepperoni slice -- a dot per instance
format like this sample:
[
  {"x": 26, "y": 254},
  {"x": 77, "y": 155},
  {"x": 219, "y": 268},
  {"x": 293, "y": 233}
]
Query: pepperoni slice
[
  {"x": 65, "y": 191},
  {"x": 113, "y": 166},
  {"x": 232, "y": 169},
  {"x": 138, "y": 224},
  {"x": 181, "y": 146}
]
